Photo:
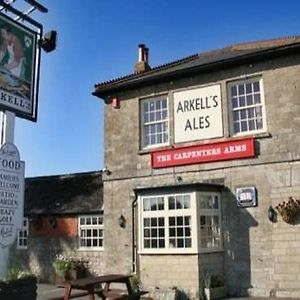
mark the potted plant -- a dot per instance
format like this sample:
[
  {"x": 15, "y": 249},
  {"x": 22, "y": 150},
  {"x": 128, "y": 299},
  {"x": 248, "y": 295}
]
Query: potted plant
[
  {"x": 77, "y": 269},
  {"x": 288, "y": 210},
  {"x": 61, "y": 265},
  {"x": 214, "y": 287}
]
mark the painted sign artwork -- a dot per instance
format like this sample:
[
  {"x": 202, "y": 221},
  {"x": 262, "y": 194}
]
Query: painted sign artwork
[
  {"x": 228, "y": 150},
  {"x": 11, "y": 193},
  {"x": 18, "y": 48}
]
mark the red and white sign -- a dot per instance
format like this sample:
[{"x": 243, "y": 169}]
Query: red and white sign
[{"x": 234, "y": 149}]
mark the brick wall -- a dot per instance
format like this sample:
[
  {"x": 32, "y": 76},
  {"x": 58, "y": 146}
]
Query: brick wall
[{"x": 45, "y": 242}]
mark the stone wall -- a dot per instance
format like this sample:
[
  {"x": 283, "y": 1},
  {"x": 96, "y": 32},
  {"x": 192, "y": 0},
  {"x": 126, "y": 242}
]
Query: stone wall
[
  {"x": 41, "y": 251},
  {"x": 260, "y": 257}
]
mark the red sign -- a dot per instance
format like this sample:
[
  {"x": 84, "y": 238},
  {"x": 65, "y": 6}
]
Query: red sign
[{"x": 228, "y": 150}]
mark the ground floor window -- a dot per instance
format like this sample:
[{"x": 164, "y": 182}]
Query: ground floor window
[
  {"x": 22, "y": 236},
  {"x": 210, "y": 221},
  {"x": 90, "y": 232},
  {"x": 186, "y": 222}
]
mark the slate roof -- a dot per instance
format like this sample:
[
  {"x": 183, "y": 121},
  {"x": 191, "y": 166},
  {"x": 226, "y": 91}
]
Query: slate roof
[
  {"x": 211, "y": 60},
  {"x": 64, "y": 194}
]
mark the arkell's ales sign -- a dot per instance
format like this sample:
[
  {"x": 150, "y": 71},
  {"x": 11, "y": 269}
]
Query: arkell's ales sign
[
  {"x": 11, "y": 193},
  {"x": 198, "y": 114},
  {"x": 18, "y": 68}
]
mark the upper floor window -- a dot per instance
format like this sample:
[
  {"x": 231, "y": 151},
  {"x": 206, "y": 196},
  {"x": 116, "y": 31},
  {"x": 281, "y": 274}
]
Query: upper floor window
[
  {"x": 246, "y": 101},
  {"x": 22, "y": 237},
  {"x": 154, "y": 122},
  {"x": 90, "y": 231}
]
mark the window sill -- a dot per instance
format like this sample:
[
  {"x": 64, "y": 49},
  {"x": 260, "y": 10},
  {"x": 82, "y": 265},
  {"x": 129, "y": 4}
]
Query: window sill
[
  {"x": 209, "y": 251},
  {"x": 168, "y": 252},
  {"x": 261, "y": 135},
  {"x": 90, "y": 249}
]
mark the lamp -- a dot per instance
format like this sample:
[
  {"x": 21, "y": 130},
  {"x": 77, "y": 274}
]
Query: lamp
[
  {"x": 52, "y": 222},
  {"x": 272, "y": 216},
  {"x": 122, "y": 221},
  {"x": 49, "y": 41},
  {"x": 106, "y": 171}
]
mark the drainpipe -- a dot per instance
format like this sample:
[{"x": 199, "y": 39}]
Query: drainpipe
[{"x": 134, "y": 247}]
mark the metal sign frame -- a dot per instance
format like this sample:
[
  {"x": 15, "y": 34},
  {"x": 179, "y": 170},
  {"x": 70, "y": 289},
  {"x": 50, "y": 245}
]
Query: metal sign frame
[{"x": 37, "y": 33}]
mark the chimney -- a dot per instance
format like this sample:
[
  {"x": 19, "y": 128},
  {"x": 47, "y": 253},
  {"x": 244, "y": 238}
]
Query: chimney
[{"x": 142, "y": 64}]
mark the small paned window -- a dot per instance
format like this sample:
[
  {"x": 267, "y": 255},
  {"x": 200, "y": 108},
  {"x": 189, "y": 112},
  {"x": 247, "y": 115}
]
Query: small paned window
[
  {"x": 91, "y": 232},
  {"x": 210, "y": 225},
  {"x": 246, "y": 101},
  {"x": 154, "y": 122},
  {"x": 167, "y": 223},
  {"x": 22, "y": 236}
]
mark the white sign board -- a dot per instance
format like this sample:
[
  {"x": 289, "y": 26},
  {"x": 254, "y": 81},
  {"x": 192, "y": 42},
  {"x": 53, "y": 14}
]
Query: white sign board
[
  {"x": 11, "y": 193},
  {"x": 198, "y": 114}
]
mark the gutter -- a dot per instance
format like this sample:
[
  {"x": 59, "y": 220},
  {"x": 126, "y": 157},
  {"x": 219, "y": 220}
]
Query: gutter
[{"x": 134, "y": 246}]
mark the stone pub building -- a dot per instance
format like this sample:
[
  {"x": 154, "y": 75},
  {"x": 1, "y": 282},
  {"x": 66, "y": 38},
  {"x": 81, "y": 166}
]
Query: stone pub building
[{"x": 199, "y": 152}]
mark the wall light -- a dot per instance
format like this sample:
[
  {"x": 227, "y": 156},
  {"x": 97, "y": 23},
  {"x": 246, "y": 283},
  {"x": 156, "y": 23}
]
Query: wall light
[
  {"x": 122, "y": 221},
  {"x": 52, "y": 222},
  {"x": 272, "y": 215}
]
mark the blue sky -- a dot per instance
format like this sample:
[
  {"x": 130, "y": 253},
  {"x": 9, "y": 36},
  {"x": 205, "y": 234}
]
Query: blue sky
[{"x": 98, "y": 41}]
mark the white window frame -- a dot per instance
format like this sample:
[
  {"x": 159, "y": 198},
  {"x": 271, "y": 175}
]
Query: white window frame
[
  {"x": 247, "y": 107},
  {"x": 22, "y": 236},
  {"x": 195, "y": 212},
  {"x": 166, "y": 213},
  {"x": 143, "y": 123},
  {"x": 99, "y": 227},
  {"x": 210, "y": 212}
]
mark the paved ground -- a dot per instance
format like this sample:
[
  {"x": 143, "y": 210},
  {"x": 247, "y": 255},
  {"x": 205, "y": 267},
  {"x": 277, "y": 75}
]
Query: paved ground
[{"x": 46, "y": 291}]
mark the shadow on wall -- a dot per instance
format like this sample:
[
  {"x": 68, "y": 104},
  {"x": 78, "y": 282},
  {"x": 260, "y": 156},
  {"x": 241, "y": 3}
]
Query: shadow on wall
[{"x": 237, "y": 222}]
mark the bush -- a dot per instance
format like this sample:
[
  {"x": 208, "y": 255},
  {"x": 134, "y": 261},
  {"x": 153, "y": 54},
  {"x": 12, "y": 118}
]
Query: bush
[{"x": 18, "y": 285}]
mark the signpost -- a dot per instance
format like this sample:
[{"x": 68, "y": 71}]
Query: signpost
[
  {"x": 20, "y": 53},
  {"x": 11, "y": 193}
]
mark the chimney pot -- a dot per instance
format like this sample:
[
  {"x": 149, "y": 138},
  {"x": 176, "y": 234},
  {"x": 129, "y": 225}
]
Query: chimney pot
[{"x": 142, "y": 64}]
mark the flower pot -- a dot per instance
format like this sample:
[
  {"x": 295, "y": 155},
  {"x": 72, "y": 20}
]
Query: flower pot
[
  {"x": 215, "y": 293},
  {"x": 60, "y": 278},
  {"x": 76, "y": 273},
  {"x": 288, "y": 216}
]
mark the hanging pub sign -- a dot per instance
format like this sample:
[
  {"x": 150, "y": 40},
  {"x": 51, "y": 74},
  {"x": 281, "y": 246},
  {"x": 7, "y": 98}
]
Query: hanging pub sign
[
  {"x": 11, "y": 193},
  {"x": 227, "y": 150},
  {"x": 18, "y": 68},
  {"x": 198, "y": 114}
]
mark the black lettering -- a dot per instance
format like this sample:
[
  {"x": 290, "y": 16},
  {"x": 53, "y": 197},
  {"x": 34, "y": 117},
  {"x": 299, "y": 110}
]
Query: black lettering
[
  {"x": 207, "y": 102},
  {"x": 207, "y": 122},
  {"x": 3, "y": 97},
  {"x": 216, "y": 103},
  {"x": 188, "y": 125},
  {"x": 186, "y": 105},
  {"x": 179, "y": 108}
]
